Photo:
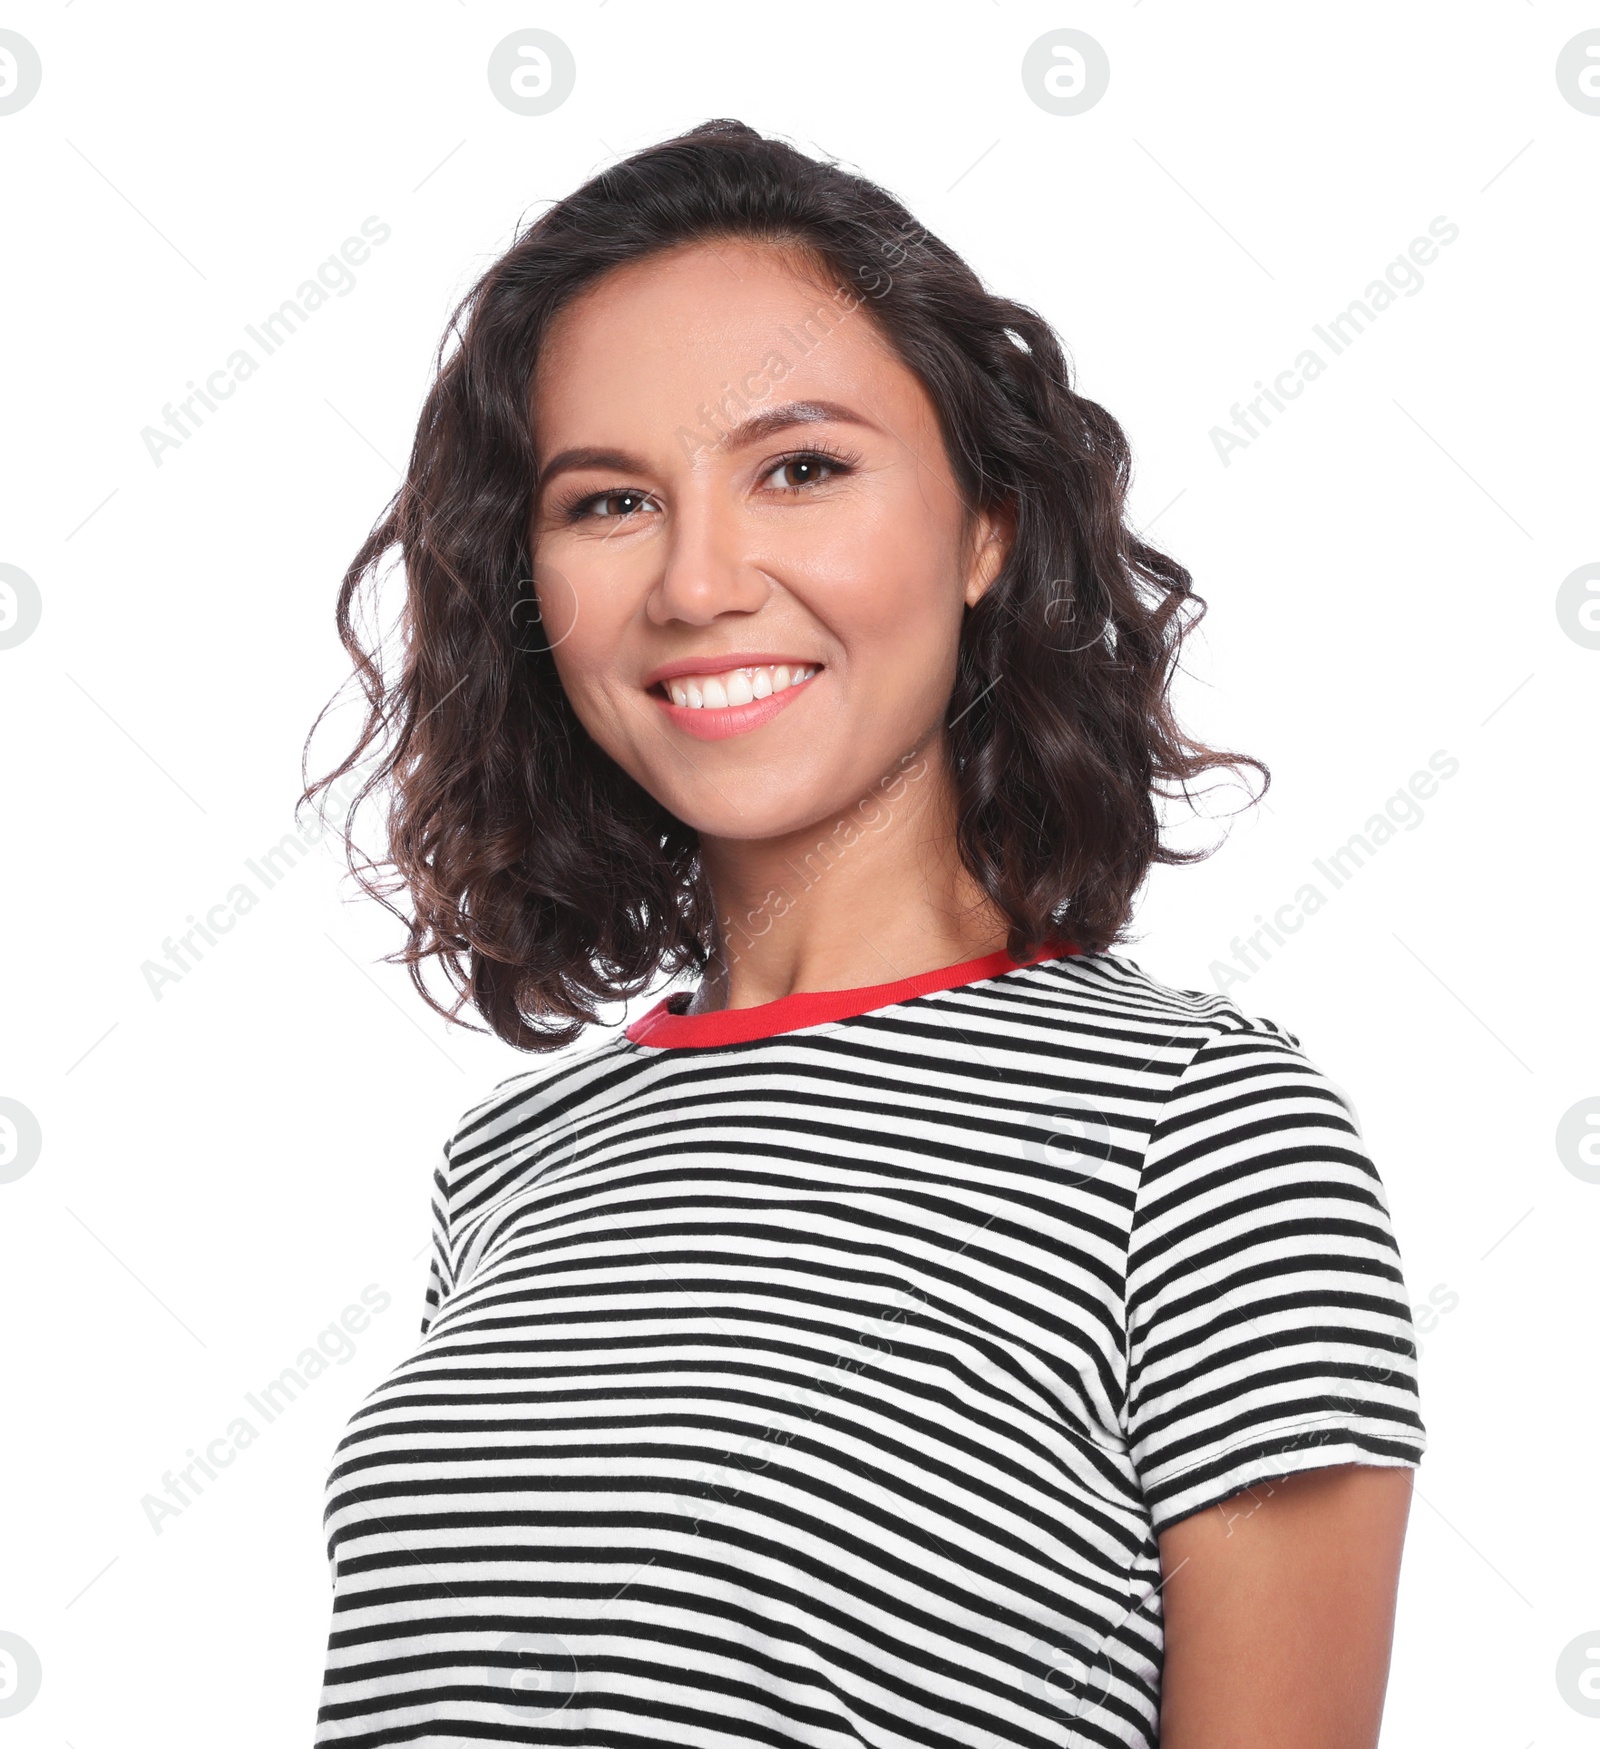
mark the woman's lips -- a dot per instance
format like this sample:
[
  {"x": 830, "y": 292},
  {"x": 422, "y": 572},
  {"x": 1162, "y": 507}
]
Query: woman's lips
[{"x": 709, "y": 723}]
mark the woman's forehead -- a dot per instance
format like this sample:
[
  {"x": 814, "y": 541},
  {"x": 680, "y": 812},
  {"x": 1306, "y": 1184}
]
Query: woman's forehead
[{"x": 661, "y": 340}]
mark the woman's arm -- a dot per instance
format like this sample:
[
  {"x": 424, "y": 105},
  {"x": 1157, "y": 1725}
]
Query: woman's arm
[{"x": 1279, "y": 1611}]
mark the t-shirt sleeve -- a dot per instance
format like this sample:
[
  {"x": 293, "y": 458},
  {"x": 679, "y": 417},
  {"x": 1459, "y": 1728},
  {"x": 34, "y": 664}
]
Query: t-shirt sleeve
[
  {"x": 1268, "y": 1326},
  {"x": 441, "y": 1277}
]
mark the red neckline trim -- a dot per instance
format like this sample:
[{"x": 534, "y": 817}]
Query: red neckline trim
[{"x": 661, "y": 1029}]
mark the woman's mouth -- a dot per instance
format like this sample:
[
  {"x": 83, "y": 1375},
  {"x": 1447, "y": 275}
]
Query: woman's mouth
[{"x": 731, "y": 701}]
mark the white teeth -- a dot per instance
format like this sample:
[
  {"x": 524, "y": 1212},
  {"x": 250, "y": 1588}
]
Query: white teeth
[{"x": 735, "y": 686}]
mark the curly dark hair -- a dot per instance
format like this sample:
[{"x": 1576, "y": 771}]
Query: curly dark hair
[{"x": 544, "y": 878}]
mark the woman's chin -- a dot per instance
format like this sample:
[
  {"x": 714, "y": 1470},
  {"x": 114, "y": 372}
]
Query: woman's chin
[{"x": 749, "y": 814}]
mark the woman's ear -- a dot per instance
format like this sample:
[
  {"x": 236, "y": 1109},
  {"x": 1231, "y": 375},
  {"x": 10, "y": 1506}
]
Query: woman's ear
[{"x": 994, "y": 530}]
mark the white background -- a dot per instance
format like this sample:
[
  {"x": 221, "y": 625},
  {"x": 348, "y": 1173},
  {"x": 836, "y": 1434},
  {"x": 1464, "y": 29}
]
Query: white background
[{"x": 225, "y": 1168}]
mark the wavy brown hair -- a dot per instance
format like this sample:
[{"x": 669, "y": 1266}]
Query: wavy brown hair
[{"x": 547, "y": 881}]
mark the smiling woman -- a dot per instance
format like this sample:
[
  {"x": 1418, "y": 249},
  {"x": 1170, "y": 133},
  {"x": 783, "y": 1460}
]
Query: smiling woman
[
  {"x": 829, "y": 531},
  {"x": 929, "y": 1329}
]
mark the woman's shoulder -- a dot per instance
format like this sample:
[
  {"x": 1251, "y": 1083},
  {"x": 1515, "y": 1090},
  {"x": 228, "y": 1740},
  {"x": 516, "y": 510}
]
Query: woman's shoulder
[
  {"x": 516, "y": 1105},
  {"x": 1202, "y": 1046},
  {"x": 1110, "y": 987}
]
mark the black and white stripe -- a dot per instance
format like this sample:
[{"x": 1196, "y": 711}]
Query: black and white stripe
[{"x": 831, "y": 1388}]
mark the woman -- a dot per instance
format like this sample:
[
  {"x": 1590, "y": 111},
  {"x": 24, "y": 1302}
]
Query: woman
[{"x": 932, "y": 1330}]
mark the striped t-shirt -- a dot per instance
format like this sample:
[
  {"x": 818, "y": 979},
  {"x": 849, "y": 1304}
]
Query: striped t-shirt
[{"x": 823, "y": 1372}]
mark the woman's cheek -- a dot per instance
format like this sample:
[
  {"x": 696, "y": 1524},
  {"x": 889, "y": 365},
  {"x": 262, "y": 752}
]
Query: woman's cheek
[
  {"x": 883, "y": 569},
  {"x": 559, "y": 602}
]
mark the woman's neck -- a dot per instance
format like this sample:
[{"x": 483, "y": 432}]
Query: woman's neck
[{"x": 872, "y": 894}]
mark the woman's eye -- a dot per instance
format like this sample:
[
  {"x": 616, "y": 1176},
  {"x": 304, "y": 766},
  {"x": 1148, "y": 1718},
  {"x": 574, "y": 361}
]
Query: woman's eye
[
  {"x": 616, "y": 503},
  {"x": 801, "y": 470}
]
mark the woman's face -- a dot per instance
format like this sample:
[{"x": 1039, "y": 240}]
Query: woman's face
[{"x": 751, "y": 555}]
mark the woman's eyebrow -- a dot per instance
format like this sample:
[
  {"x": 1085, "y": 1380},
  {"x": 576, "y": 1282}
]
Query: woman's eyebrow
[
  {"x": 763, "y": 425},
  {"x": 587, "y": 456},
  {"x": 755, "y": 429}
]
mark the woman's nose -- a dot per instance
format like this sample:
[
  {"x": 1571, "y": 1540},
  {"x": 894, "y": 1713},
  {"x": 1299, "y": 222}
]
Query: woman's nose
[{"x": 707, "y": 566}]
